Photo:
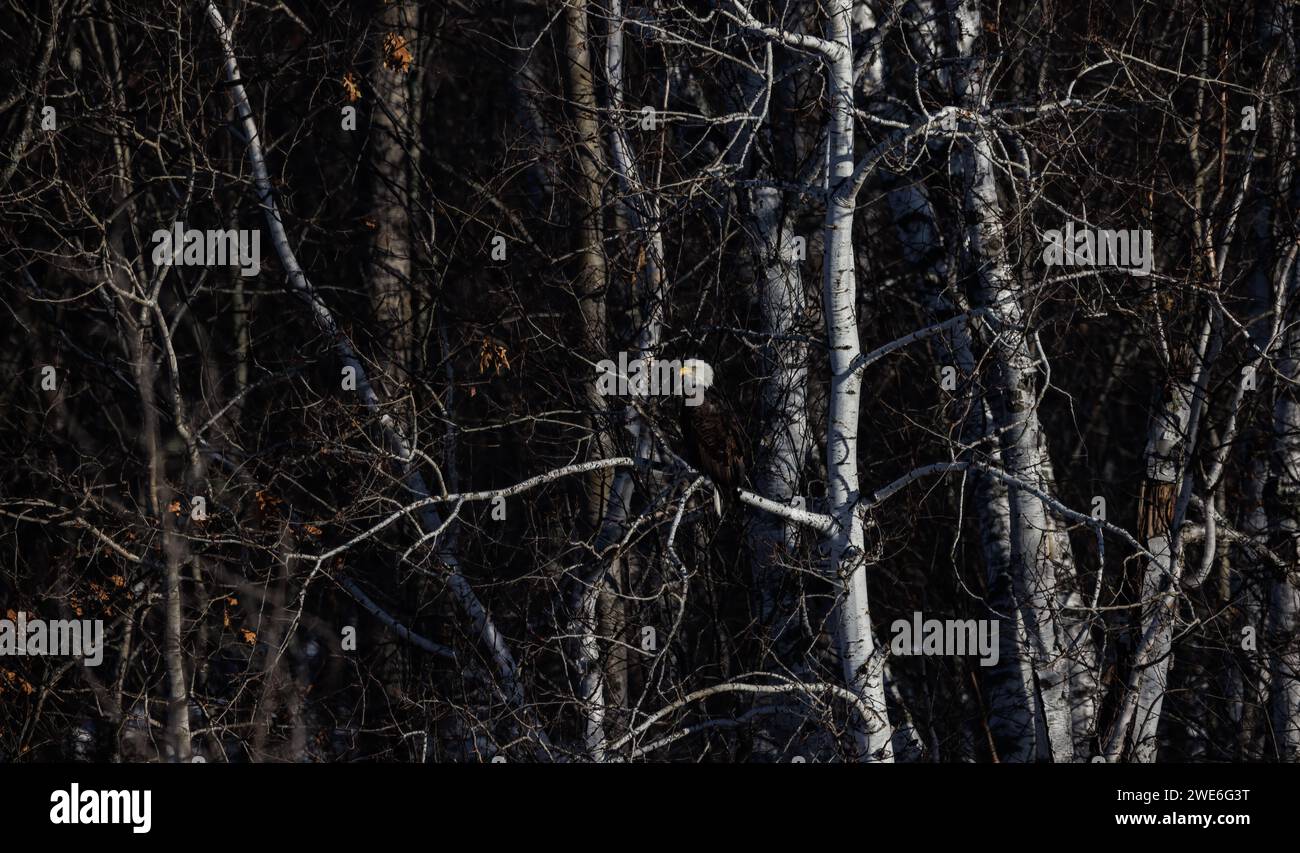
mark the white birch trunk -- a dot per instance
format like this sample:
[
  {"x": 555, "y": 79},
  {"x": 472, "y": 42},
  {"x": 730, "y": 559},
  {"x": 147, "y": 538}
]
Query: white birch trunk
[
  {"x": 779, "y": 294},
  {"x": 1016, "y": 417},
  {"x": 1082, "y": 663},
  {"x": 597, "y": 681},
  {"x": 863, "y": 666},
  {"x": 1166, "y": 445},
  {"x": 1014, "y": 402},
  {"x": 1167, "y": 488},
  {"x": 785, "y": 398}
]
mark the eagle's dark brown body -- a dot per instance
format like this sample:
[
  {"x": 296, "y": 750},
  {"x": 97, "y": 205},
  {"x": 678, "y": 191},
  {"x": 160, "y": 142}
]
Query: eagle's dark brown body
[{"x": 715, "y": 444}]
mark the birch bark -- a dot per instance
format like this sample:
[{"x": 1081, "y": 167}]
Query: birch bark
[
  {"x": 393, "y": 142},
  {"x": 1014, "y": 402},
  {"x": 863, "y": 664}
]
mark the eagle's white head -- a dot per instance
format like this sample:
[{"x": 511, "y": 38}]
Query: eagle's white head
[{"x": 697, "y": 377}]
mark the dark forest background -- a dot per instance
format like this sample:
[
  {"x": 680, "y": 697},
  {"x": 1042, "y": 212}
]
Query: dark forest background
[{"x": 485, "y": 199}]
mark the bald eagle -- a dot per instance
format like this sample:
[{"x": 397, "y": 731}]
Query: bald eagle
[{"x": 713, "y": 439}]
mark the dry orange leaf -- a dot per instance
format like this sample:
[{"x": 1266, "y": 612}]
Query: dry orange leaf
[
  {"x": 250, "y": 637},
  {"x": 493, "y": 355},
  {"x": 15, "y": 678},
  {"x": 350, "y": 87},
  {"x": 397, "y": 56},
  {"x": 265, "y": 499}
]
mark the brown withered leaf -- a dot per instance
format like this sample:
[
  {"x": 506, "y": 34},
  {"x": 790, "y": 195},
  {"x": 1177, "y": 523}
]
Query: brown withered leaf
[
  {"x": 397, "y": 56},
  {"x": 350, "y": 88},
  {"x": 492, "y": 355}
]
